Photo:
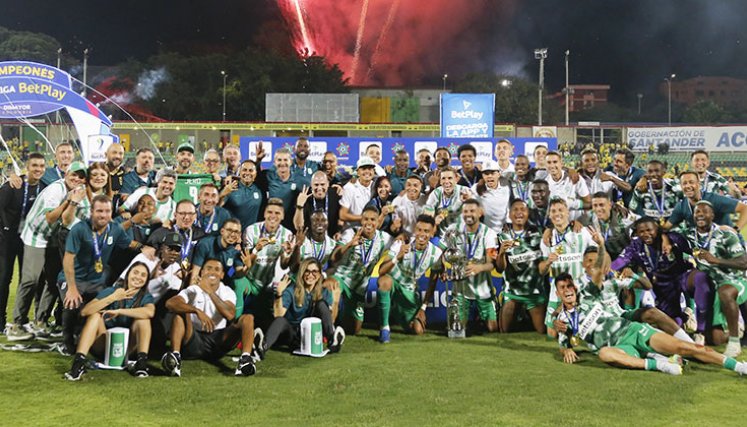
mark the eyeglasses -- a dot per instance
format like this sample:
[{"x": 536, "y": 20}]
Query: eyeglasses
[
  {"x": 212, "y": 161},
  {"x": 311, "y": 272},
  {"x": 186, "y": 213},
  {"x": 233, "y": 231}
]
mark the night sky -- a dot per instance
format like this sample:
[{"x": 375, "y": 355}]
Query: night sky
[{"x": 630, "y": 45}]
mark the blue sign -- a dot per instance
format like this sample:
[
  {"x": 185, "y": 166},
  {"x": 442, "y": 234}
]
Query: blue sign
[
  {"x": 465, "y": 115},
  {"x": 349, "y": 150},
  {"x": 32, "y": 70}
]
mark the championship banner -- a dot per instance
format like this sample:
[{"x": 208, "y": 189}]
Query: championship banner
[
  {"x": 465, "y": 115},
  {"x": 188, "y": 186},
  {"x": 96, "y": 146},
  {"x": 689, "y": 138},
  {"x": 349, "y": 150}
]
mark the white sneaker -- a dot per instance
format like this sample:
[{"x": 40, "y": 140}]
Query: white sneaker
[
  {"x": 691, "y": 324},
  {"x": 733, "y": 349},
  {"x": 699, "y": 339},
  {"x": 669, "y": 368},
  {"x": 17, "y": 333}
]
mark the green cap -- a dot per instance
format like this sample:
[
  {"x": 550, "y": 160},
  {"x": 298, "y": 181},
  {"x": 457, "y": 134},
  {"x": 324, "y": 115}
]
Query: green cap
[
  {"x": 185, "y": 146},
  {"x": 77, "y": 167}
]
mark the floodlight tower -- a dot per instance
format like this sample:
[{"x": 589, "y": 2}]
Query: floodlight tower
[{"x": 540, "y": 54}]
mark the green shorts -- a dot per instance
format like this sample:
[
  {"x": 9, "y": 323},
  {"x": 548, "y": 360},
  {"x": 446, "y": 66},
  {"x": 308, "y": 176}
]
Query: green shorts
[
  {"x": 485, "y": 307},
  {"x": 741, "y": 286},
  {"x": 405, "y": 305},
  {"x": 353, "y": 302},
  {"x": 528, "y": 301},
  {"x": 635, "y": 342}
]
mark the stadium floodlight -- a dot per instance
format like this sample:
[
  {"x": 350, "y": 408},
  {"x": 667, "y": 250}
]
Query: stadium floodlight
[
  {"x": 540, "y": 54},
  {"x": 444, "y": 79},
  {"x": 225, "y": 76},
  {"x": 669, "y": 96}
]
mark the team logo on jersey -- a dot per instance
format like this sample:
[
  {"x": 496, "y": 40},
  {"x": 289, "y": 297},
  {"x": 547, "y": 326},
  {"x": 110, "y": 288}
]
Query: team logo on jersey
[
  {"x": 256, "y": 195},
  {"x": 110, "y": 240},
  {"x": 229, "y": 262}
]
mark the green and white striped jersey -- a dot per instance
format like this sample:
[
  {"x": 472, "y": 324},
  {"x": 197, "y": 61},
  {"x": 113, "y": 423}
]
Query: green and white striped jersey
[
  {"x": 476, "y": 246},
  {"x": 522, "y": 274},
  {"x": 36, "y": 230},
  {"x": 357, "y": 264},
  {"x": 438, "y": 202},
  {"x": 723, "y": 244},
  {"x": 321, "y": 251},
  {"x": 609, "y": 295},
  {"x": 263, "y": 269},
  {"x": 657, "y": 203},
  {"x": 164, "y": 210},
  {"x": 570, "y": 246},
  {"x": 414, "y": 264}
]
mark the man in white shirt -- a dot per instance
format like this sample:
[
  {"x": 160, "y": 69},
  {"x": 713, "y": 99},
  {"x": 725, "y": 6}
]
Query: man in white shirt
[
  {"x": 562, "y": 186},
  {"x": 356, "y": 195},
  {"x": 408, "y": 206},
  {"x": 504, "y": 149},
  {"x": 165, "y": 205},
  {"x": 494, "y": 195}
]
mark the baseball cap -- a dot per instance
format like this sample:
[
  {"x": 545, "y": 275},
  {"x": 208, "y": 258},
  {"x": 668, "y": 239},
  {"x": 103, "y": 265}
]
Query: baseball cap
[
  {"x": 185, "y": 146},
  {"x": 365, "y": 161},
  {"x": 77, "y": 167},
  {"x": 172, "y": 239},
  {"x": 490, "y": 165}
]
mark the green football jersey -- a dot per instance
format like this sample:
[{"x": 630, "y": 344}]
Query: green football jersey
[
  {"x": 188, "y": 186},
  {"x": 414, "y": 264},
  {"x": 263, "y": 269},
  {"x": 723, "y": 244},
  {"x": 358, "y": 262},
  {"x": 475, "y": 246},
  {"x": 321, "y": 251},
  {"x": 609, "y": 295},
  {"x": 570, "y": 247},
  {"x": 522, "y": 274},
  {"x": 656, "y": 203}
]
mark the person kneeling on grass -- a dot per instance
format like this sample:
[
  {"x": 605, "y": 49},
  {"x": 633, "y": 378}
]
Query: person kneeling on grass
[
  {"x": 127, "y": 304},
  {"x": 306, "y": 297},
  {"x": 202, "y": 327},
  {"x": 620, "y": 342}
]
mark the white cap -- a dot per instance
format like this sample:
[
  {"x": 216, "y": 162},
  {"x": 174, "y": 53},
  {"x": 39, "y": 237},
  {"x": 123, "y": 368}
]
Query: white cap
[
  {"x": 365, "y": 161},
  {"x": 490, "y": 165}
]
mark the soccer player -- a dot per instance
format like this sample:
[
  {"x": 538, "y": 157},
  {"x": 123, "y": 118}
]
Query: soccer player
[
  {"x": 409, "y": 206},
  {"x": 520, "y": 183},
  {"x": 723, "y": 206},
  {"x": 623, "y": 168},
  {"x": 356, "y": 195},
  {"x": 432, "y": 179},
  {"x": 320, "y": 197},
  {"x": 165, "y": 205},
  {"x": 245, "y": 197},
  {"x": 142, "y": 176},
  {"x": 610, "y": 223},
  {"x": 504, "y": 149},
  {"x": 667, "y": 270},
  {"x": 563, "y": 186},
  {"x": 265, "y": 240},
  {"x": 596, "y": 179},
  {"x": 539, "y": 171},
  {"x": 401, "y": 171},
  {"x": 518, "y": 260},
  {"x": 446, "y": 200},
  {"x": 399, "y": 273},
  {"x": 565, "y": 252},
  {"x": 620, "y": 342},
  {"x": 210, "y": 216},
  {"x": 355, "y": 261},
  {"x": 469, "y": 175},
  {"x": 185, "y": 156},
  {"x": 318, "y": 244},
  {"x": 305, "y": 297},
  {"x": 654, "y": 196},
  {"x": 710, "y": 182},
  {"x": 476, "y": 287},
  {"x": 719, "y": 253},
  {"x": 494, "y": 195},
  {"x": 127, "y": 304},
  {"x": 382, "y": 201},
  {"x": 302, "y": 168},
  {"x": 15, "y": 204},
  {"x": 538, "y": 217}
]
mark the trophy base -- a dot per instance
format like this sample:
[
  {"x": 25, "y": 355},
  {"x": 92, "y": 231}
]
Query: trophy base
[{"x": 462, "y": 333}]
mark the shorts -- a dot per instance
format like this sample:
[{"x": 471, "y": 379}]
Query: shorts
[
  {"x": 528, "y": 301},
  {"x": 741, "y": 286},
  {"x": 261, "y": 306},
  {"x": 485, "y": 308},
  {"x": 635, "y": 342},
  {"x": 405, "y": 305},
  {"x": 206, "y": 345},
  {"x": 353, "y": 303}
]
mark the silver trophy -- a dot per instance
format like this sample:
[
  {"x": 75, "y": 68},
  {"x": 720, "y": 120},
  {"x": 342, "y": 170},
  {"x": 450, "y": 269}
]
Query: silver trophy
[{"x": 457, "y": 258}]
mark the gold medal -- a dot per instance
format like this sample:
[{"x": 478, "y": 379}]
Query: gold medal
[
  {"x": 99, "y": 266},
  {"x": 516, "y": 243},
  {"x": 560, "y": 250},
  {"x": 185, "y": 264},
  {"x": 271, "y": 241},
  {"x": 662, "y": 221},
  {"x": 696, "y": 253},
  {"x": 575, "y": 341},
  {"x": 444, "y": 213}
]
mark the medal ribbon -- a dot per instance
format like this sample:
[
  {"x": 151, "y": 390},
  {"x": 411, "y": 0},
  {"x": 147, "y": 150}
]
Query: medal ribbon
[
  {"x": 326, "y": 203},
  {"x": 366, "y": 254},
  {"x": 471, "y": 244},
  {"x": 98, "y": 245},
  {"x": 705, "y": 244},
  {"x": 659, "y": 205},
  {"x": 523, "y": 190},
  {"x": 469, "y": 181},
  {"x": 26, "y": 197},
  {"x": 573, "y": 320},
  {"x": 319, "y": 255},
  {"x": 201, "y": 220},
  {"x": 187, "y": 245}
]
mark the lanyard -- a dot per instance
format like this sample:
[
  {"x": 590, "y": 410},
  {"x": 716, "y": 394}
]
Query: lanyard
[
  {"x": 705, "y": 184},
  {"x": 523, "y": 190},
  {"x": 417, "y": 263},
  {"x": 201, "y": 220},
  {"x": 295, "y": 167},
  {"x": 625, "y": 178},
  {"x": 471, "y": 244},
  {"x": 705, "y": 244},
  {"x": 572, "y": 319},
  {"x": 659, "y": 204},
  {"x": 59, "y": 172},
  {"x": 319, "y": 255},
  {"x": 26, "y": 197},
  {"x": 187, "y": 245},
  {"x": 469, "y": 181},
  {"x": 98, "y": 245},
  {"x": 653, "y": 258},
  {"x": 445, "y": 203},
  {"x": 605, "y": 229},
  {"x": 366, "y": 254},
  {"x": 559, "y": 239},
  {"x": 326, "y": 203}
]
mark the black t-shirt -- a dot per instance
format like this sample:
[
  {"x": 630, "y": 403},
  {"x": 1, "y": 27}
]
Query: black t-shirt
[
  {"x": 331, "y": 205},
  {"x": 12, "y": 203}
]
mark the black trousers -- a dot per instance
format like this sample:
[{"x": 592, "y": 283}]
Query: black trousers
[
  {"x": 11, "y": 248},
  {"x": 281, "y": 327}
]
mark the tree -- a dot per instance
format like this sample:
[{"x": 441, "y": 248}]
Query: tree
[
  {"x": 28, "y": 46},
  {"x": 707, "y": 112}
]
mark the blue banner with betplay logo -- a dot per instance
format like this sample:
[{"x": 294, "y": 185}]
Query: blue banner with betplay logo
[{"x": 467, "y": 115}]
